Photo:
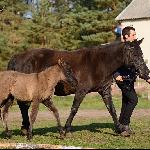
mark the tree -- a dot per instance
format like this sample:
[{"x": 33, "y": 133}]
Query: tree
[
  {"x": 96, "y": 20},
  {"x": 10, "y": 21},
  {"x": 85, "y": 23},
  {"x": 56, "y": 24}
]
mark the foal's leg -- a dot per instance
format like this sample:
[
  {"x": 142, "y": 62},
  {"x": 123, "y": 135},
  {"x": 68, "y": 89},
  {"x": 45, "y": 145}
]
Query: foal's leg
[
  {"x": 80, "y": 94},
  {"x": 49, "y": 104},
  {"x": 33, "y": 115},
  {"x": 107, "y": 98},
  {"x": 5, "y": 115}
]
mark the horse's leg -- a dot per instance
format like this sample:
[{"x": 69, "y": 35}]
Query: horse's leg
[
  {"x": 5, "y": 115},
  {"x": 107, "y": 98},
  {"x": 33, "y": 115},
  {"x": 80, "y": 94},
  {"x": 49, "y": 104},
  {"x": 24, "y": 107}
]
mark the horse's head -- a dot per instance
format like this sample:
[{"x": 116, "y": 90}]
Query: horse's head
[
  {"x": 67, "y": 70},
  {"x": 133, "y": 56}
]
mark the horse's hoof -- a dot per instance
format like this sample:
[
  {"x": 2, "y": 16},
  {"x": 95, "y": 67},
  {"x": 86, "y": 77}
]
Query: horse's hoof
[
  {"x": 118, "y": 128},
  {"x": 29, "y": 136},
  {"x": 61, "y": 132},
  {"x": 125, "y": 134},
  {"x": 68, "y": 129},
  {"x": 24, "y": 131},
  {"x": 69, "y": 135},
  {"x": 62, "y": 136},
  {"x": 8, "y": 134}
]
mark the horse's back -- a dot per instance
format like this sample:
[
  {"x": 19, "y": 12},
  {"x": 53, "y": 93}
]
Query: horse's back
[{"x": 35, "y": 60}]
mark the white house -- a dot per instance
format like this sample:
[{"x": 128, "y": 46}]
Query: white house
[{"x": 137, "y": 14}]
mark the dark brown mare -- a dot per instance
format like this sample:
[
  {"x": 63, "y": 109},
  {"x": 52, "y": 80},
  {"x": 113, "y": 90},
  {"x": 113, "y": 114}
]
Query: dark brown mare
[{"x": 93, "y": 68}]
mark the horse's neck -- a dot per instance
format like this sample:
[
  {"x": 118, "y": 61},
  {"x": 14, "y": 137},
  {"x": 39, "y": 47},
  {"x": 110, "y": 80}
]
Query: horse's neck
[
  {"x": 51, "y": 75},
  {"x": 111, "y": 57},
  {"x": 117, "y": 59}
]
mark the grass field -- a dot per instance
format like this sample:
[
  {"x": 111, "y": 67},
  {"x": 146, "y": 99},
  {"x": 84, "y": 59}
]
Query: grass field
[{"x": 92, "y": 132}]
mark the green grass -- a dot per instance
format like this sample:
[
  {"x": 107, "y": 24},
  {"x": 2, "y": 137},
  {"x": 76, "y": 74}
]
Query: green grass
[
  {"x": 95, "y": 133},
  {"x": 90, "y": 133}
]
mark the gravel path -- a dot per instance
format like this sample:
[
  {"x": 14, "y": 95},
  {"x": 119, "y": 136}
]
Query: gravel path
[{"x": 81, "y": 114}]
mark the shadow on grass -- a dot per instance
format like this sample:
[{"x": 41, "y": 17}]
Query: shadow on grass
[{"x": 93, "y": 127}]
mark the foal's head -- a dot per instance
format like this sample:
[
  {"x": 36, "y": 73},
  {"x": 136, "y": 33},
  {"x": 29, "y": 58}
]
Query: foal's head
[
  {"x": 67, "y": 71},
  {"x": 133, "y": 56}
]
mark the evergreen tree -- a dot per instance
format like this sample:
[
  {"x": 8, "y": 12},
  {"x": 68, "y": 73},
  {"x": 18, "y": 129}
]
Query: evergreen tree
[
  {"x": 10, "y": 20},
  {"x": 86, "y": 23},
  {"x": 56, "y": 24},
  {"x": 95, "y": 20}
]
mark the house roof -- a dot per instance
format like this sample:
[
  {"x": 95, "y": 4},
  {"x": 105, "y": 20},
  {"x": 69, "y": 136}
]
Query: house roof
[{"x": 137, "y": 9}]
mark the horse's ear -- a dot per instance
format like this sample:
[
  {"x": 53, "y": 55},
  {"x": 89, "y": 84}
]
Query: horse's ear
[{"x": 140, "y": 41}]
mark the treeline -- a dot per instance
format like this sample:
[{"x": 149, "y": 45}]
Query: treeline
[{"x": 56, "y": 24}]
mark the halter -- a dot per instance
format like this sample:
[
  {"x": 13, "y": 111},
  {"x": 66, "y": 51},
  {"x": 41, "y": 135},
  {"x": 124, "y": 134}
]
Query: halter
[{"x": 127, "y": 53}]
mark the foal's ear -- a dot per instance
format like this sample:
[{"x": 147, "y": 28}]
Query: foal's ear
[
  {"x": 62, "y": 63},
  {"x": 140, "y": 41},
  {"x": 59, "y": 62}
]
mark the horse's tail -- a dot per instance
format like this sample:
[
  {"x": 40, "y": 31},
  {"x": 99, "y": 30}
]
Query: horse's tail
[
  {"x": 12, "y": 63},
  {"x": 67, "y": 70},
  {"x": 0, "y": 114}
]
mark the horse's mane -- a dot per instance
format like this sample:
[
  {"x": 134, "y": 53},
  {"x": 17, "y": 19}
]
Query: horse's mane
[{"x": 106, "y": 46}]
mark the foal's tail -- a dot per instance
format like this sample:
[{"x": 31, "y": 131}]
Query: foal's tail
[
  {"x": 0, "y": 114},
  {"x": 2, "y": 104},
  {"x": 7, "y": 103},
  {"x": 68, "y": 72}
]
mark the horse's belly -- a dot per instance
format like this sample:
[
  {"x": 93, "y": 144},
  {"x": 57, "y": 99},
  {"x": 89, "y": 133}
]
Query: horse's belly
[{"x": 63, "y": 89}]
